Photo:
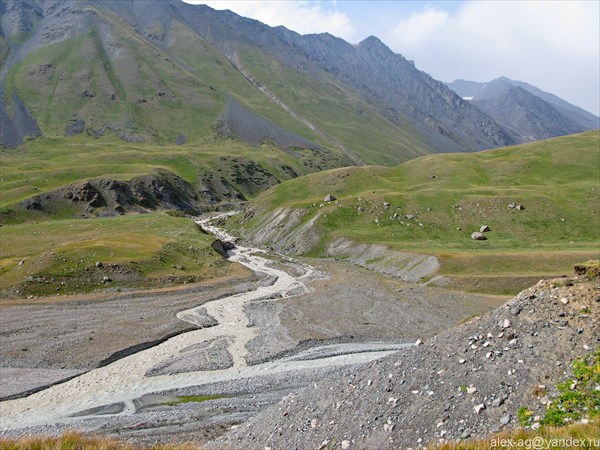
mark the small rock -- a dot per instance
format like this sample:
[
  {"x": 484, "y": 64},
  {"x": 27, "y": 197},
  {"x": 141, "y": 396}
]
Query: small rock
[
  {"x": 516, "y": 310},
  {"x": 386, "y": 204},
  {"x": 329, "y": 198},
  {"x": 324, "y": 444},
  {"x": 419, "y": 342},
  {"x": 505, "y": 420},
  {"x": 345, "y": 445},
  {"x": 564, "y": 301},
  {"x": 314, "y": 423},
  {"x": 506, "y": 323},
  {"x": 99, "y": 264},
  {"x": 484, "y": 229},
  {"x": 479, "y": 408},
  {"x": 471, "y": 390},
  {"x": 478, "y": 236},
  {"x": 520, "y": 207}
]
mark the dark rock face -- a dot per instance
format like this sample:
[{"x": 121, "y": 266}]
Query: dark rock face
[
  {"x": 238, "y": 122},
  {"x": 108, "y": 197},
  {"x": 75, "y": 127},
  {"x": 221, "y": 247},
  {"x": 20, "y": 124}
]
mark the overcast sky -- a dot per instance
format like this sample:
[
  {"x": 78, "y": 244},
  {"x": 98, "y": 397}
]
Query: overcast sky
[{"x": 554, "y": 45}]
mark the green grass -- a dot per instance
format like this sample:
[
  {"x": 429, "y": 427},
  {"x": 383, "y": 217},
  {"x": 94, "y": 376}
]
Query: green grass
[
  {"x": 122, "y": 85},
  {"x": 135, "y": 250},
  {"x": 452, "y": 195},
  {"x": 194, "y": 399},
  {"x": 47, "y": 164}
]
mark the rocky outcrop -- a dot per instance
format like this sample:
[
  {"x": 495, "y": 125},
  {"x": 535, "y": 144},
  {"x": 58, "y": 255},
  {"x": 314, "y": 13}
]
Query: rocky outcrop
[
  {"x": 103, "y": 196},
  {"x": 222, "y": 247}
]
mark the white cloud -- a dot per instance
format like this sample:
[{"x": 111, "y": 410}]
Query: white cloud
[
  {"x": 303, "y": 17},
  {"x": 553, "y": 45}
]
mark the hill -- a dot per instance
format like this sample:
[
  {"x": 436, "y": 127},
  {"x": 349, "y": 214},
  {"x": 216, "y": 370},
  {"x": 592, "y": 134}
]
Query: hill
[{"x": 432, "y": 205}]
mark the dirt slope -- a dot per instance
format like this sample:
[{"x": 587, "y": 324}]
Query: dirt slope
[{"x": 466, "y": 382}]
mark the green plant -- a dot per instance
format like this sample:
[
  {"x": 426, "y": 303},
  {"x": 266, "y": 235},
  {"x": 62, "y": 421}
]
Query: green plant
[
  {"x": 524, "y": 415},
  {"x": 577, "y": 397},
  {"x": 194, "y": 398}
]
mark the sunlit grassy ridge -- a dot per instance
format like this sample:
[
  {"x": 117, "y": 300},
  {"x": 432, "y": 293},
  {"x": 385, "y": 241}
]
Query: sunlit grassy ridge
[
  {"x": 153, "y": 90},
  {"x": 452, "y": 195},
  {"x": 134, "y": 250},
  {"x": 48, "y": 164}
]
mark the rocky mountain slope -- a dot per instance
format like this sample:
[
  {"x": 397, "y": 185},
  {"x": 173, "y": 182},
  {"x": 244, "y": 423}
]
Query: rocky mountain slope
[
  {"x": 464, "y": 383},
  {"x": 140, "y": 70},
  {"x": 527, "y": 112}
]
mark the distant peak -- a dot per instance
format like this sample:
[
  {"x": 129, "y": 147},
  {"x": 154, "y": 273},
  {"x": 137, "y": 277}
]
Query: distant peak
[{"x": 373, "y": 42}]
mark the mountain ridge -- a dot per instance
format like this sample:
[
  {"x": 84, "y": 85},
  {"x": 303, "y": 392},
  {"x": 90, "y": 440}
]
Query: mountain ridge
[
  {"x": 236, "y": 38},
  {"x": 533, "y": 115}
]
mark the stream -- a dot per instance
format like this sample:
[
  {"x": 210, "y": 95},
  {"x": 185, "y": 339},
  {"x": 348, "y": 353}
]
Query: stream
[{"x": 114, "y": 389}]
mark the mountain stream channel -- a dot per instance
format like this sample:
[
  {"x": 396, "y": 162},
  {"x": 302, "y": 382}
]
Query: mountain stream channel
[{"x": 115, "y": 390}]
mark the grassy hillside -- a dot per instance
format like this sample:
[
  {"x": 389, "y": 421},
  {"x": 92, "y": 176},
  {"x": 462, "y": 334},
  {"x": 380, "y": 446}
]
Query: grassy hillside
[
  {"x": 437, "y": 201},
  {"x": 134, "y": 251},
  {"x": 46, "y": 164},
  {"x": 162, "y": 82}
]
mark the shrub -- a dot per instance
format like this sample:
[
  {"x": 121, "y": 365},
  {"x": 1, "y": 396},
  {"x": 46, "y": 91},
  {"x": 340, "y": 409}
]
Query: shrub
[{"x": 578, "y": 397}]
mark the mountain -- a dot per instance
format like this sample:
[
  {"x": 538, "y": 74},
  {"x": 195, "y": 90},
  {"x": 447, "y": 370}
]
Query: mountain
[
  {"x": 526, "y": 111},
  {"x": 166, "y": 72}
]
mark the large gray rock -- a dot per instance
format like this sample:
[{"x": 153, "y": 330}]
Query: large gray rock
[
  {"x": 478, "y": 236},
  {"x": 221, "y": 247}
]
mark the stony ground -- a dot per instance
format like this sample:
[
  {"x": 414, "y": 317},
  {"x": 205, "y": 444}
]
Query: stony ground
[
  {"x": 46, "y": 340},
  {"x": 346, "y": 304},
  {"x": 465, "y": 382}
]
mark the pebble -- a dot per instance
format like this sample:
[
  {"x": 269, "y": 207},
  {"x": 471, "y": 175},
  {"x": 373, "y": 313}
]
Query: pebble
[
  {"x": 504, "y": 420},
  {"x": 479, "y": 408},
  {"x": 345, "y": 445}
]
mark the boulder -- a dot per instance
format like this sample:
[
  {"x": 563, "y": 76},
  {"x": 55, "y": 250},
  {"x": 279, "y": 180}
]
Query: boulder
[
  {"x": 478, "y": 236},
  {"x": 329, "y": 198},
  {"x": 520, "y": 207},
  {"x": 484, "y": 228},
  {"x": 221, "y": 247}
]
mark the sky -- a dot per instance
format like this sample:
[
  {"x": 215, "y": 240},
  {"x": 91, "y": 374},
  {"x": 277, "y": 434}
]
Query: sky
[{"x": 554, "y": 44}]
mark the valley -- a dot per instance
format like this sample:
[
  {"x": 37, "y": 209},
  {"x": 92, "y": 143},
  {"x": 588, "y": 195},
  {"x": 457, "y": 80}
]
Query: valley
[
  {"x": 221, "y": 233},
  {"x": 247, "y": 356}
]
